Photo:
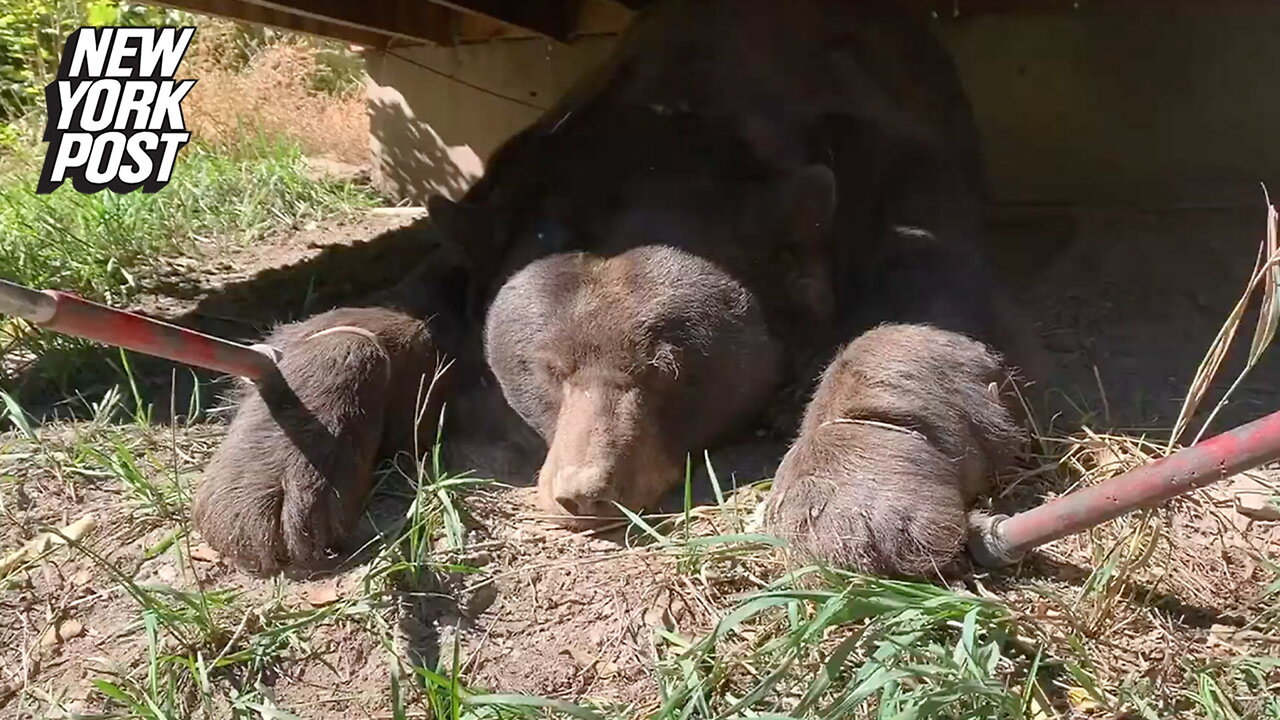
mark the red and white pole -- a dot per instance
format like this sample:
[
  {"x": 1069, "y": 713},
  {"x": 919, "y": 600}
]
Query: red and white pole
[
  {"x": 72, "y": 315},
  {"x": 1002, "y": 540}
]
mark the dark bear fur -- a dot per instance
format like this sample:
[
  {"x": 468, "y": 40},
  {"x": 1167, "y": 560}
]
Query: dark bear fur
[
  {"x": 296, "y": 466},
  {"x": 905, "y": 430},
  {"x": 658, "y": 265}
]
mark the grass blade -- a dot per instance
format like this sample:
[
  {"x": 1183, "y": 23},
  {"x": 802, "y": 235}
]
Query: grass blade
[
  {"x": 1269, "y": 313},
  {"x": 18, "y": 416},
  {"x": 526, "y": 701}
]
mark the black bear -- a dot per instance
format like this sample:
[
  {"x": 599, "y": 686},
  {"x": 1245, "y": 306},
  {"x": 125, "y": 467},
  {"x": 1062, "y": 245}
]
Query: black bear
[{"x": 747, "y": 191}]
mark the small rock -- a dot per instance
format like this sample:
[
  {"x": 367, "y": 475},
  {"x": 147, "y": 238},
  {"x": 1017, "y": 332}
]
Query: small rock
[
  {"x": 476, "y": 559},
  {"x": 323, "y": 168},
  {"x": 325, "y": 594},
  {"x": 204, "y": 553},
  {"x": 1258, "y": 507},
  {"x": 58, "y": 634},
  {"x": 1254, "y": 499},
  {"x": 583, "y": 658},
  {"x": 166, "y": 573},
  {"x": 481, "y": 599}
]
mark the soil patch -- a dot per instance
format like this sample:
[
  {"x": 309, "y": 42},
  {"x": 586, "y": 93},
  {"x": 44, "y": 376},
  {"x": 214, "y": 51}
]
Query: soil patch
[{"x": 1126, "y": 303}]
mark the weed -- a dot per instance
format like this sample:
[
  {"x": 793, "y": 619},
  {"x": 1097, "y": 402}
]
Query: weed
[
  {"x": 1265, "y": 281},
  {"x": 824, "y": 643},
  {"x": 158, "y": 500},
  {"x": 1241, "y": 688},
  {"x": 433, "y": 522},
  {"x": 14, "y": 412}
]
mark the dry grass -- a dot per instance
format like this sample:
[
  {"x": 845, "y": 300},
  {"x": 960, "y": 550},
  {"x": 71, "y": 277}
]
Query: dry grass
[
  {"x": 1264, "y": 285},
  {"x": 1151, "y": 596},
  {"x": 273, "y": 92},
  {"x": 1157, "y": 597}
]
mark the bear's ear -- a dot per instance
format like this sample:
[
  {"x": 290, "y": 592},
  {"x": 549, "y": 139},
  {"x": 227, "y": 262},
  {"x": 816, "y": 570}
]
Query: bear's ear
[
  {"x": 808, "y": 206},
  {"x": 466, "y": 228}
]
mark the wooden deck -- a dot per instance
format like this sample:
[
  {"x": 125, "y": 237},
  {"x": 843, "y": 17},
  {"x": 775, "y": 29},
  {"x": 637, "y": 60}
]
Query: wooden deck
[{"x": 393, "y": 23}]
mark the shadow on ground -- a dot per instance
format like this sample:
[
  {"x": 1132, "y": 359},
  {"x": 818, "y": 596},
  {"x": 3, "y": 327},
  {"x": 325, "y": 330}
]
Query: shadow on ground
[
  {"x": 240, "y": 297},
  {"x": 1125, "y": 302}
]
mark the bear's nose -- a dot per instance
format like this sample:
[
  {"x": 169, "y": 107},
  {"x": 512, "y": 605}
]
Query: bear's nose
[{"x": 584, "y": 490}]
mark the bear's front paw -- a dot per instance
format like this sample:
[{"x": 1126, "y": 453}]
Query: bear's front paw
[
  {"x": 294, "y": 471},
  {"x": 870, "y": 496}
]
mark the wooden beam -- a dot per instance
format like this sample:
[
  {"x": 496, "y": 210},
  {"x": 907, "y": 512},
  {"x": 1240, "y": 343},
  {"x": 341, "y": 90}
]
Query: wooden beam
[
  {"x": 381, "y": 23},
  {"x": 552, "y": 18},
  {"x": 961, "y": 8},
  {"x": 595, "y": 17},
  {"x": 966, "y": 8},
  {"x": 411, "y": 20},
  {"x": 246, "y": 12}
]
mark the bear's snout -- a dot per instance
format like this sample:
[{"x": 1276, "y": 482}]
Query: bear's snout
[
  {"x": 604, "y": 452},
  {"x": 583, "y": 490}
]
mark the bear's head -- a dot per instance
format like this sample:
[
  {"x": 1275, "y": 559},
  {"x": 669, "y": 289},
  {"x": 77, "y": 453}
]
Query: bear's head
[
  {"x": 625, "y": 363},
  {"x": 632, "y": 317}
]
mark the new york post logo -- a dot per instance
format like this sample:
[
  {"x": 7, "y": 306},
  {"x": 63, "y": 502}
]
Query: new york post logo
[{"x": 115, "y": 111}]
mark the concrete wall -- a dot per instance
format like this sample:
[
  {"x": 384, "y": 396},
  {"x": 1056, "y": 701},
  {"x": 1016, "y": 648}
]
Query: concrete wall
[{"x": 1122, "y": 105}]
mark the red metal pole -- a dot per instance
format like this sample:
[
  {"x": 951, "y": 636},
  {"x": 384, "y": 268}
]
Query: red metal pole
[
  {"x": 71, "y": 315},
  {"x": 1002, "y": 540}
]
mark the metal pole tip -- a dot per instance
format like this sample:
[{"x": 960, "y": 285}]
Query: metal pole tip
[{"x": 987, "y": 544}]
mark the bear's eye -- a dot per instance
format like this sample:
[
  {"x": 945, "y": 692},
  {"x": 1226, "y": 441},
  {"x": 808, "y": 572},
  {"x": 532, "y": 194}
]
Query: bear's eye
[
  {"x": 553, "y": 369},
  {"x": 666, "y": 360}
]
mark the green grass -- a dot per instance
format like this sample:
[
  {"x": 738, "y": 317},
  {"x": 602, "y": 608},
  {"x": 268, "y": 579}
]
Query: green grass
[
  {"x": 798, "y": 642},
  {"x": 822, "y": 643},
  {"x": 105, "y": 245},
  {"x": 783, "y": 642},
  {"x": 108, "y": 247}
]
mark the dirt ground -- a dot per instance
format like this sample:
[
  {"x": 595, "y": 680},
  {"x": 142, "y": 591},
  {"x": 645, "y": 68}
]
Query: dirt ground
[{"x": 1125, "y": 302}]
